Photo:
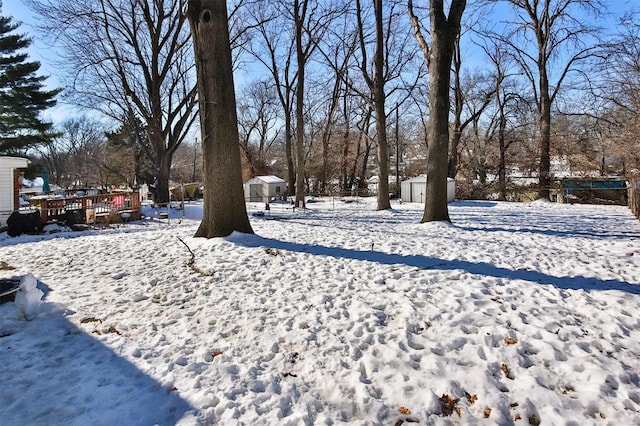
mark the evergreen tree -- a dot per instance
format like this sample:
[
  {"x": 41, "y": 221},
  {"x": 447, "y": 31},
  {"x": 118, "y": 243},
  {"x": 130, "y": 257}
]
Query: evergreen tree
[
  {"x": 22, "y": 97},
  {"x": 129, "y": 152}
]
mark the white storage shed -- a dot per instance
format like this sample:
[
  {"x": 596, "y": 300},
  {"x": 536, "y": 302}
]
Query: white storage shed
[
  {"x": 10, "y": 185},
  {"x": 414, "y": 189},
  {"x": 265, "y": 188}
]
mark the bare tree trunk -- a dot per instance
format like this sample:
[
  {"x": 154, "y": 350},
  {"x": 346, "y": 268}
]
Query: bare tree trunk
[
  {"x": 502, "y": 165},
  {"x": 291, "y": 170},
  {"x": 163, "y": 169},
  {"x": 444, "y": 31},
  {"x": 224, "y": 205},
  {"x": 327, "y": 132},
  {"x": 346, "y": 144},
  {"x": 379, "y": 99},
  {"x": 301, "y": 61},
  {"x": 545, "y": 141},
  {"x": 452, "y": 166}
]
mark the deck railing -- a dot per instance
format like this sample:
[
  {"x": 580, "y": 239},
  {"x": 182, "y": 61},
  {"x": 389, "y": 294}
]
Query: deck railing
[{"x": 89, "y": 208}]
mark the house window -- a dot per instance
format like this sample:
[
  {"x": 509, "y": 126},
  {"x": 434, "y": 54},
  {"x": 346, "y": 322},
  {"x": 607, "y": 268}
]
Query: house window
[{"x": 277, "y": 189}]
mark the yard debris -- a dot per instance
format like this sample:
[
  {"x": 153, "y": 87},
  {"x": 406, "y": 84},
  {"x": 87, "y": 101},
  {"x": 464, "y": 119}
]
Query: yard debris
[
  {"x": 192, "y": 260},
  {"x": 4, "y": 266},
  {"x": 404, "y": 410},
  {"x": 534, "y": 420},
  {"x": 507, "y": 372},
  {"x": 510, "y": 341},
  {"x": 90, "y": 319},
  {"x": 470, "y": 398},
  {"x": 448, "y": 405},
  {"x": 273, "y": 252},
  {"x": 487, "y": 412}
]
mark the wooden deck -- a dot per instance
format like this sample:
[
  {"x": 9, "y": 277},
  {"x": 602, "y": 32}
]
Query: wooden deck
[{"x": 107, "y": 207}]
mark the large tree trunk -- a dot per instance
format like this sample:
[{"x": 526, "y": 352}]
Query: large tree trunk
[
  {"x": 545, "y": 142},
  {"x": 301, "y": 61},
  {"x": 164, "y": 170},
  {"x": 224, "y": 206},
  {"x": 379, "y": 99},
  {"x": 291, "y": 169},
  {"x": 444, "y": 31}
]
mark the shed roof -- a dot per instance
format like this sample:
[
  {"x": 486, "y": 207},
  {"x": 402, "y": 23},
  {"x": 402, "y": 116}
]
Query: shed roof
[
  {"x": 271, "y": 179},
  {"x": 423, "y": 179}
]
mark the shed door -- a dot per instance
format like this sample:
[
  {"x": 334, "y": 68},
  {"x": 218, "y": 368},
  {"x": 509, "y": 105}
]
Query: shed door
[
  {"x": 255, "y": 192},
  {"x": 417, "y": 192}
]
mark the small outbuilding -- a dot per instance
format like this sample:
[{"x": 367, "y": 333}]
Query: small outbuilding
[
  {"x": 414, "y": 189},
  {"x": 265, "y": 188},
  {"x": 601, "y": 190},
  {"x": 10, "y": 185}
]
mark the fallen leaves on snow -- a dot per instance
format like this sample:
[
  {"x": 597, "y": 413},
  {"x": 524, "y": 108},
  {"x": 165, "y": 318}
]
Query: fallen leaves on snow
[
  {"x": 4, "y": 266},
  {"x": 471, "y": 398},
  {"x": 448, "y": 405},
  {"x": 507, "y": 372},
  {"x": 534, "y": 420}
]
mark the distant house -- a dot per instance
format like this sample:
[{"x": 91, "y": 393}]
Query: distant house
[
  {"x": 414, "y": 189},
  {"x": 10, "y": 185},
  {"x": 265, "y": 188}
]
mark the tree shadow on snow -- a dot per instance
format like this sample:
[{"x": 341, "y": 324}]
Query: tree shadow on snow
[
  {"x": 427, "y": 262},
  {"x": 56, "y": 373}
]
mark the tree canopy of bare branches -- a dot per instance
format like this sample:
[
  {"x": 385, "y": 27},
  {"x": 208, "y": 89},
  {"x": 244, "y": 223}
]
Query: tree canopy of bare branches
[{"x": 129, "y": 55}]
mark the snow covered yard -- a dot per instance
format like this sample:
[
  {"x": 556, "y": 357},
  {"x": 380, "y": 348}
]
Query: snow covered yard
[{"x": 515, "y": 314}]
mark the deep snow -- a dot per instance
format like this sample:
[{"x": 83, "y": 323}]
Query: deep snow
[{"x": 514, "y": 314}]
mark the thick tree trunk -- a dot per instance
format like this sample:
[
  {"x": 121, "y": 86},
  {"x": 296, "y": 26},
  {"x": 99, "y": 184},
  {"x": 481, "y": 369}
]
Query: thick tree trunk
[
  {"x": 383, "y": 156},
  {"x": 301, "y": 61},
  {"x": 545, "y": 145},
  {"x": 436, "y": 208},
  {"x": 224, "y": 205},
  {"x": 379, "y": 99},
  {"x": 443, "y": 36},
  {"x": 291, "y": 169},
  {"x": 164, "y": 170}
]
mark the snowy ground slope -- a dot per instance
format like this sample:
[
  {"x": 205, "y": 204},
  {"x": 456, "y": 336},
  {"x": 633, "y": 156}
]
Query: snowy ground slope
[{"x": 515, "y": 314}]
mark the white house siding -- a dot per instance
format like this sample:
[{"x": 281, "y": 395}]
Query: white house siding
[{"x": 7, "y": 166}]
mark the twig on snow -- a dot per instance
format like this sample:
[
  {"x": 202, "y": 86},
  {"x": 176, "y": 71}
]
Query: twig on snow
[{"x": 192, "y": 260}]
